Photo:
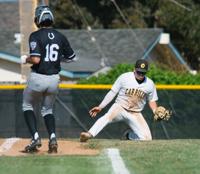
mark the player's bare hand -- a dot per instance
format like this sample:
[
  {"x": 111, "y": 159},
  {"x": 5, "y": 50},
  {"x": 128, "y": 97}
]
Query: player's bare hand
[{"x": 94, "y": 111}]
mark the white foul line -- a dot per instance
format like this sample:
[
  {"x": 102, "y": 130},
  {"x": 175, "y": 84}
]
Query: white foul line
[
  {"x": 8, "y": 143},
  {"x": 117, "y": 162}
]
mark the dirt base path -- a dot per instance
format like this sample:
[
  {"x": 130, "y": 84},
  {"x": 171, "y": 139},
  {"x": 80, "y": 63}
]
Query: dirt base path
[{"x": 65, "y": 147}]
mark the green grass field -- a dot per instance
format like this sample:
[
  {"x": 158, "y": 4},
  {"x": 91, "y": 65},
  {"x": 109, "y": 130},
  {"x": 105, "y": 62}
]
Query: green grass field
[{"x": 153, "y": 157}]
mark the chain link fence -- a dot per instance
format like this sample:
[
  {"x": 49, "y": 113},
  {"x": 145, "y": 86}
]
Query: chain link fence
[{"x": 71, "y": 112}]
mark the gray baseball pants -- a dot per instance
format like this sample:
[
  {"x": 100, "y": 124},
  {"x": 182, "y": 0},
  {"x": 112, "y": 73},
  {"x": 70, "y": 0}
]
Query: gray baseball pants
[{"x": 41, "y": 89}]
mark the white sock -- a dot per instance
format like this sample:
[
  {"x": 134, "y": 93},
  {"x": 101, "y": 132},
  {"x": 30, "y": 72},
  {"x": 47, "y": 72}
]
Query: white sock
[
  {"x": 36, "y": 135},
  {"x": 53, "y": 135}
]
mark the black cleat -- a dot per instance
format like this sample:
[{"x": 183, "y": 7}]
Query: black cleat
[
  {"x": 32, "y": 147},
  {"x": 125, "y": 135},
  {"x": 129, "y": 135},
  {"x": 53, "y": 146}
]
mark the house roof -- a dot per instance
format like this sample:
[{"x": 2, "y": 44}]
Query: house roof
[
  {"x": 112, "y": 46},
  {"x": 95, "y": 48}
]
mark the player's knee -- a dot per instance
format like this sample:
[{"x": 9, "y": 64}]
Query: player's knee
[
  {"x": 105, "y": 117},
  {"x": 26, "y": 107},
  {"x": 110, "y": 116},
  {"x": 46, "y": 112},
  {"x": 146, "y": 137}
]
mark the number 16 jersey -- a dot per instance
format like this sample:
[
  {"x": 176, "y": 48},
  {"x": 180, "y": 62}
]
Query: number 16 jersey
[{"x": 51, "y": 46}]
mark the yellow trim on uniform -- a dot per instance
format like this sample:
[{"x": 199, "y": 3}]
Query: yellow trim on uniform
[{"x": 102, "y": 86}]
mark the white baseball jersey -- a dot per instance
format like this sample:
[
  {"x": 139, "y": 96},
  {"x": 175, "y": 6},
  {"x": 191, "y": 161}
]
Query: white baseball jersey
[{"x": 132, "y": 96}]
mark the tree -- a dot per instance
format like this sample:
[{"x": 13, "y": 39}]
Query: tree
[
  {"x": 184, "y": 27},
  {"x": 173, "y": 16}
]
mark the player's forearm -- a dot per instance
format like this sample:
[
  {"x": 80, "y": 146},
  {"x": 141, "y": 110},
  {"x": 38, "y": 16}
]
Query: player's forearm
[
  {"x": 31, "y": 60},
  {"x": 107, "y": 99},
  {"x": 153, "y": 105}
]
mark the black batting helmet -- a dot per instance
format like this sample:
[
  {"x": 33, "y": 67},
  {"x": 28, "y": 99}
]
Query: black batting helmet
[{"x": 43, "y": 16}]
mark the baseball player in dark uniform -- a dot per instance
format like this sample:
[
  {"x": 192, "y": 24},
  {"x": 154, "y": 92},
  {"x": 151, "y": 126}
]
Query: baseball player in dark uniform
[{"x": 47, "y": 48}]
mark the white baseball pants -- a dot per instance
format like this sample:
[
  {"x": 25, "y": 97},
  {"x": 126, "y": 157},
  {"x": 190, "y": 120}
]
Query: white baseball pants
[{"x": 135, "y": 121}]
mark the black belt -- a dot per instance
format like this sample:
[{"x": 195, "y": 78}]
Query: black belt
[
  {"x": 132, "y": 111},
  {"x": 43, "y": 73}
]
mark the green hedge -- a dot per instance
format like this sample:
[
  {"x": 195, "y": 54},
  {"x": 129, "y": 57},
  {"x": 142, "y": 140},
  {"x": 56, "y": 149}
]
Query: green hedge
[{"x": 158, "y": 75}]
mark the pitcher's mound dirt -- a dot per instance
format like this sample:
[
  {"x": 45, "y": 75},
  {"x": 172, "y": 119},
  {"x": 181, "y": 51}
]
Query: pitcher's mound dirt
[{"x": 65, "y": 147}]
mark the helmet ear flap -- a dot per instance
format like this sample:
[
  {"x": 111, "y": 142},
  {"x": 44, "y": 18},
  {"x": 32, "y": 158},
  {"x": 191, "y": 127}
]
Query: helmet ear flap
[{"x": 35, "y": 21}]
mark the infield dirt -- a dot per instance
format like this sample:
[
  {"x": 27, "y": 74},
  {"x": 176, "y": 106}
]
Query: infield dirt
[{"x": 65, "y": 147}]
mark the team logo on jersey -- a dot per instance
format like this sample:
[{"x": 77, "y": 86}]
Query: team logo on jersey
[
  {"x": 33, "y": 45},
  {"x": 142, "y": 65},
  {"x": 135, "y": 92},
  {"x": 51, "y": 36}
]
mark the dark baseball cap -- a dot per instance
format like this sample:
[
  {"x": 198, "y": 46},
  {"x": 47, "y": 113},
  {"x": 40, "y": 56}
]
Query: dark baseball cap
[{"x": 141, "y": 65}]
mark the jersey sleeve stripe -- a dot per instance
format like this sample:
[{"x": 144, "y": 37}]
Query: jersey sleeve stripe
[
  {"x": 35, "y": 54},
  {"x": 72, "y": 56}
]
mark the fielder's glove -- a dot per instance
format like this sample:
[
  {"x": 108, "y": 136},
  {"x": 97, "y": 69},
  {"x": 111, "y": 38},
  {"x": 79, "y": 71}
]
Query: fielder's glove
[
  {"x": 161, "y": 113},
  {"x": 23, "y": 59}
]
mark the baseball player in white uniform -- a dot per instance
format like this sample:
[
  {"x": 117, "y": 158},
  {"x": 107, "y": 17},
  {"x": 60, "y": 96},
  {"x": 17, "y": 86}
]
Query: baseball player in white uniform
[{"x": 134, "y": 89}]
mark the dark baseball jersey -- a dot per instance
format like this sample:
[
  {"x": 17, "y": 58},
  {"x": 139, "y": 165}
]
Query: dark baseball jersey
[{"x": 51, "y": 46}]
